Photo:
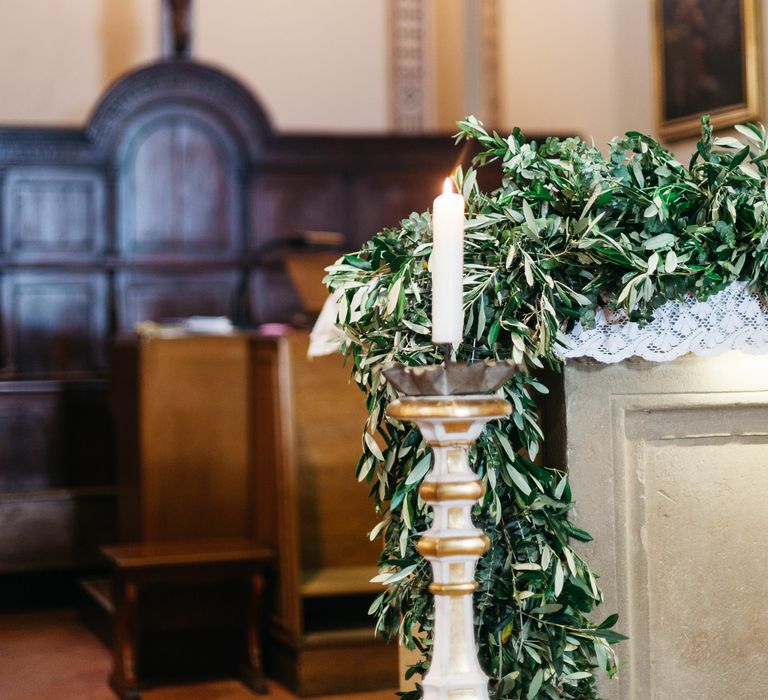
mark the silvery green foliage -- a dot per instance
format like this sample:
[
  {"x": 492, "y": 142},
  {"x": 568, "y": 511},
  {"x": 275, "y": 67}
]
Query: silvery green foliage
[{"x": 569, "y": 230}]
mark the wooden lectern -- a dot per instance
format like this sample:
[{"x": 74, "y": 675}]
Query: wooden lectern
[{"x": 242, "y": 436}]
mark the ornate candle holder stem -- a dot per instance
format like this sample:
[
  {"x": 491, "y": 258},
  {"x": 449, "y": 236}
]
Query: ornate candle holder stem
[{"x": 452, "y": 545}]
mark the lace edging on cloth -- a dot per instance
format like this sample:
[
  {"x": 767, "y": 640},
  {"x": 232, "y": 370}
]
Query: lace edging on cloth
[{"x": 733, "y": 319}]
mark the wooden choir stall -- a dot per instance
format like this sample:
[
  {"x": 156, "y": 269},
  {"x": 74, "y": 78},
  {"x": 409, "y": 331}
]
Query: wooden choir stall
[{"x": 178, "y": 199}]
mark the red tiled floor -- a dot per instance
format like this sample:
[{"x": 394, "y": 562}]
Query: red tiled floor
[{"x": 50, "y": 656}]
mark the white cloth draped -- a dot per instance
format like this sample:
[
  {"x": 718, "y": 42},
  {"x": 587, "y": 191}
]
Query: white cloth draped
[{"x": 326, "y": 336}]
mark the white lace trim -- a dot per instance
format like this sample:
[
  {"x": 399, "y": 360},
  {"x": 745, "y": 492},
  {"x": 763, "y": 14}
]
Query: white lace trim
[{"x": 732, "y": 319}]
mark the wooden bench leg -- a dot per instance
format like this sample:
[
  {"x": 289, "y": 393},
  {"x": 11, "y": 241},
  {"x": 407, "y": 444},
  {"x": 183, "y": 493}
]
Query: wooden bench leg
[
  {"x": 253, "y": 670},
  {"x": 123, "y": 679}
]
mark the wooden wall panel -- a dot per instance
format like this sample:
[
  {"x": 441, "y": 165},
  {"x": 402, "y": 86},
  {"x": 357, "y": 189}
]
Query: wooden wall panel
[
  {"x": 54, "y": 214},
  {"x": 54, "y": 435},
  {"x": 179, "y": 189},
  {"x": 272, "y": 296},
  {"x": 55, "y": 529},
  {"x": 166, "y": 204},
  {"x": 382, "y": 199},
  {"x": 30, "y": 439},
  {"x": 86, "y": 451},
  {"x": 156, "y": 296},
  {"x": 57, "y": 493},
  {"x": 54, "y": 321},
  {"x": 285, "y": 206}
]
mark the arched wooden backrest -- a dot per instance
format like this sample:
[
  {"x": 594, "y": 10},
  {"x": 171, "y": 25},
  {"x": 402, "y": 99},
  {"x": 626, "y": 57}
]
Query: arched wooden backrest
[{"x": 174, "y": 83}]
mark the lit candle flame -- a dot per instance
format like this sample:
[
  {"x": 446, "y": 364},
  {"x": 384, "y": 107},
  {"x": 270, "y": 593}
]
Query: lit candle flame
[{"x": 447, "y": 186}]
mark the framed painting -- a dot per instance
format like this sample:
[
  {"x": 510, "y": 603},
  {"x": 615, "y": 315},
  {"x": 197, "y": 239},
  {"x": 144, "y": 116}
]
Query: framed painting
[{"x": 707, "y": 56}]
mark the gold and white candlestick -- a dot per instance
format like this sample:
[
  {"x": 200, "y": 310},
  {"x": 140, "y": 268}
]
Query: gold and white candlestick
[{"x": 450, "y": 422}]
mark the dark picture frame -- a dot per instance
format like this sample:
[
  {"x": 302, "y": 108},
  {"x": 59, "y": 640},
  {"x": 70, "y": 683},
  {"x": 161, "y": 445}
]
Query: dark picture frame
[{"x": 707, "y": 62}]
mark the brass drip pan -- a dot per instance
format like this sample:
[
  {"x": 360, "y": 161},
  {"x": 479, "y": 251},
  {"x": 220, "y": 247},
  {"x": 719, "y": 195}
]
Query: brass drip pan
[{"x": 452, "y": 378}]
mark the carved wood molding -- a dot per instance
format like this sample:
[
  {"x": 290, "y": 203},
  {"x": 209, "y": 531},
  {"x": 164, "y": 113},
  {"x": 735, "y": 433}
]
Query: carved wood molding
[{"x": 181, "y": 82}]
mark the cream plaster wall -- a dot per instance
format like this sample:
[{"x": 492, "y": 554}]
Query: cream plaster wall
[
  {"x": 318, "y": 65},
  {"x": 322, "y": 65},
  {"x": 57, "y": 56},
  {"x": 576, "y": 67},
  {"x": 583, "y": 67}
]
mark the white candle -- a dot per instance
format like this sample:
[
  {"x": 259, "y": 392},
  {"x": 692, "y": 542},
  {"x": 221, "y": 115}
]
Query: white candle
[{"x": 447, "y": 266}]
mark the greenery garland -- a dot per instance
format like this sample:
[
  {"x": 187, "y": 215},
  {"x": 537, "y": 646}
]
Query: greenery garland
[{"x": 568, "y": 231}]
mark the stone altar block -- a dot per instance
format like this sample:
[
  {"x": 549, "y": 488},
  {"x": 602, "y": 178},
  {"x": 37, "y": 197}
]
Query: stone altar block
[{"x": 669, "y": 468}]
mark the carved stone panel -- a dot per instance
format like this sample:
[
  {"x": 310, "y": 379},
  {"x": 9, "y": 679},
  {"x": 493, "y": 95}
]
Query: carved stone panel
[
  {"x": 157, "y": 296},
  {"x": 179, "y": 193},
  {"x": 411, "y": 69},
  {"x": 53, "y": 214},
  {"x": 286, "y": 206},
  {"x": 54, "y": 321},
  {"x": 670, "y": 475}
]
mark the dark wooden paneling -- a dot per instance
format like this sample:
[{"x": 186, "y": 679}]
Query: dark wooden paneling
[
  {"x": 272, "y": 296},
  {"x": 30, "y": 440},
  {"x": 179, "y": 84},
  {"x": 87, "y": 435},
  {"x": 179, "y": 189},
  {"x": 126, "y": 403},
  {"x": 55, "y": 530},
  {"x": 54, "y": 435},
  {"x": 54, "y": 321},
  {"x": 54, "y": 214},
  {"x": 57, "y": 493},
  {"x": 176, "y": 199},
  {"x": 155, "y": 296},
  {"x": 285, "y": 206},
  {"x": 364, "y": 154},
  {"x": 382, "y": 199}
]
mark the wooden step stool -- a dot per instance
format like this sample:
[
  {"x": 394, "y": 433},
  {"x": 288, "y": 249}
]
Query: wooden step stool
[{"x": 201, "y": 562}]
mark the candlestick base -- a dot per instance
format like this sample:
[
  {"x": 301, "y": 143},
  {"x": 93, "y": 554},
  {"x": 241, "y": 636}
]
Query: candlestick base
[{"x": 452, "y": 545}]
